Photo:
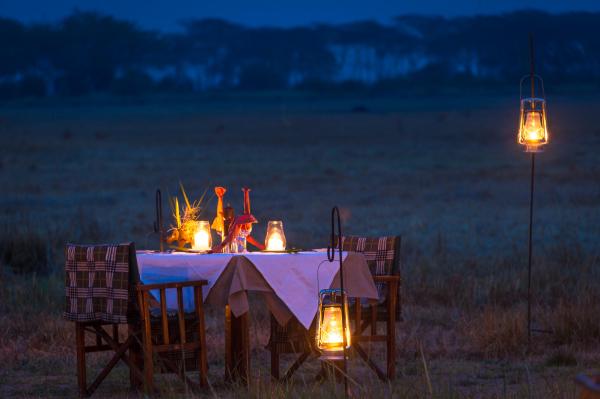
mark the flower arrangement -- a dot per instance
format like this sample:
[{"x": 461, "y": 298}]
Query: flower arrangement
[{"x": 187, "y": 217}]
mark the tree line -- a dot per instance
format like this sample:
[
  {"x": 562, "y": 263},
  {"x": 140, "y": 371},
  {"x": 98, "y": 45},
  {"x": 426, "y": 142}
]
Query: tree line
[{"x": 88, "y": 52}]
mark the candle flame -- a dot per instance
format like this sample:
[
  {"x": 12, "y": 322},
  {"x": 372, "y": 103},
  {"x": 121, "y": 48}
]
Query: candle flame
[
  {"x": 275, "y": 242},
  {"x": 201, "y": 240}
]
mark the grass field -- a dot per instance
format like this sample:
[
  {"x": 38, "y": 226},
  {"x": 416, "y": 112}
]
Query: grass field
[{"x": 443, "y": 171}]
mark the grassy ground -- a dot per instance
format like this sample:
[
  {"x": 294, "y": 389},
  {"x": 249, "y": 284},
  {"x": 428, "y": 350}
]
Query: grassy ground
[{"x": 444, "y": 171}]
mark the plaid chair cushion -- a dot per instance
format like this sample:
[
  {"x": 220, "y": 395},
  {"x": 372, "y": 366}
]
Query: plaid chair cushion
[
  {"x": 381, "y": 254},
  {"x": 97, "y": 282}
]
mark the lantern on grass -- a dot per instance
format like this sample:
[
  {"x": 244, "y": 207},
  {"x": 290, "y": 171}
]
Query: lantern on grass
[
  {"x": 202, "y": 236},
  {"x": 275, "y": 239},
  {"x": 533, "y": 129},
  {"x": 331, "y": 329}
]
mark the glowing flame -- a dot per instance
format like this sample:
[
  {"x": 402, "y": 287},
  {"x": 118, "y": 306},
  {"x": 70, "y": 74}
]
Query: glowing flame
[
  {"x": 533, "y": 130},
  {"x": 202, "y": 238},
  {"x": 331, "y": 329},
  {"x": 275, "y": 242}
]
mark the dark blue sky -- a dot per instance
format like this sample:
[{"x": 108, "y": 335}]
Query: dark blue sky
[{"x": 165, "y": 15}]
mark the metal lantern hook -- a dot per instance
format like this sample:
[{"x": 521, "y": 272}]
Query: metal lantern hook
[{"x": 337, "y": 241}]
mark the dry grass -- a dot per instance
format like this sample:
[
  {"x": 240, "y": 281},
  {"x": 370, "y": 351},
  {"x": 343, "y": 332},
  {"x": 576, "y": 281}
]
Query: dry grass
[{"x": 87, "y": 171}]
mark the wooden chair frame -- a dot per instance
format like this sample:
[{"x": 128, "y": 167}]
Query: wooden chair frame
[
  {"x": 362, "y": 323},
  {"x": 150, "y": 349},
  {"x": 104, "y": 342},
  {"x": 127, "y": 351}
]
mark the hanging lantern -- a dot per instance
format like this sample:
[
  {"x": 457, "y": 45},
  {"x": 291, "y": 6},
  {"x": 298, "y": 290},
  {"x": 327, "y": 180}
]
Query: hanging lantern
[
  {"x": 275, "y": 239},
  {"x": 330, "y": 328},
  {"x": 533, "y": 130},
  {"x": 202, "y": 236}
]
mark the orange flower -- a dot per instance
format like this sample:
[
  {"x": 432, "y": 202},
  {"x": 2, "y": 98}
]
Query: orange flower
[{"x": 217, "y": 223}]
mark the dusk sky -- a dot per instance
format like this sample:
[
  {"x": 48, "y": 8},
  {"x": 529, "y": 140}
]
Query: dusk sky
[{"x": 165, "y": 15}]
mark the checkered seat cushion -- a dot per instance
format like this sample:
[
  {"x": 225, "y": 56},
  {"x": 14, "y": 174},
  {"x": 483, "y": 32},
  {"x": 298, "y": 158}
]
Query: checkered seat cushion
[
  {"x": 381, "y": 253},
  {"x": 99, "y": 283}
]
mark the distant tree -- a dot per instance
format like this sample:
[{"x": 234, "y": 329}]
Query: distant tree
[
  {"x": 14, "y": 54},
  {"x": 132, "y": 82},
  {"x": 261, "y": 76},
  {"x": 94, "y": 46}
]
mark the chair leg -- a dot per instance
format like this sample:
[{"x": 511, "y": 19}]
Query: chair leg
[
  {"x": 147, "y": 347},
  {"x": 148, "y": 369},
  {"x": 361, "y": 352},
  {"x": 296, "y": 365},
  {"x": 275, "y": 362},
  {"x": 373, "y": 319},
  {"x": 81, "y": 377},
  {"x": 202, "y": 335},
  {"x": 135, "y": 358},
  {"x": 391, "y": 333}
]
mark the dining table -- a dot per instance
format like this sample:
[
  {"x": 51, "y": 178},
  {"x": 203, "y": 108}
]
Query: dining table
[{"x": 289, "y": 282}]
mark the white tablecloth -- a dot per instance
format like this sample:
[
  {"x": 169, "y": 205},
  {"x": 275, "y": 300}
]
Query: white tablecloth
[
  {"x": 296, "y": 280},
  {"x": 290, "y": 283}
]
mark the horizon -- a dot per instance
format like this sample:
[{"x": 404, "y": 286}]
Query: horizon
[{"x": 165, "y": 17}]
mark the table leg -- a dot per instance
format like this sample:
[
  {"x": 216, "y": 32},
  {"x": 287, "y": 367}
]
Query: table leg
[{"x": 237, "y": 346}]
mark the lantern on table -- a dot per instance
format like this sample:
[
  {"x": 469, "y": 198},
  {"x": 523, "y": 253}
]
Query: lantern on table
[
  {"x": 275, "y": 239},
  {"x": 331, "y": 329},
  {"x": 202, "y": 236}
]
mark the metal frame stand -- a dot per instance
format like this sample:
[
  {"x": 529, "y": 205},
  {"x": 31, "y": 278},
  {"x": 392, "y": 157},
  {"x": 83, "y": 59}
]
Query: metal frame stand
[
  {"x": 335, "y": 217},
  {"x": 530, "y": 249}
]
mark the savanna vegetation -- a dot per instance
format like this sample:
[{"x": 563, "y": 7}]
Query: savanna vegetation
[{"x": 444, "y": 171}]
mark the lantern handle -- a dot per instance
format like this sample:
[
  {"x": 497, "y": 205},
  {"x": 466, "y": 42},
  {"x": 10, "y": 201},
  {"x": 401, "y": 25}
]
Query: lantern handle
[
  {"x": 318, "y": 282},
  {"x": 535, "y": 76}
]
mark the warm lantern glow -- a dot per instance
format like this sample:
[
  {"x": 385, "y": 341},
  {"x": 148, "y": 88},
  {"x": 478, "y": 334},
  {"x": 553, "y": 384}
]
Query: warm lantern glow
[
  {"x": 275, "y": 243},
  {"x": 533, "y": 127},
  {"x": 330, "y": 328},
  {"x": 275, "y": 239},
  {"x": 533, "y": 132},
  {"x": 202, "y": 237}
]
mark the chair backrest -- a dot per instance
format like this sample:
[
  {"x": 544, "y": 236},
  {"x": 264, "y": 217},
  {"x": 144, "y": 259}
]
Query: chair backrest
[
  {"x": 381, "y": 253},
  {"x": 178, "y": 334},
  {"x": 100, "y": 283}
]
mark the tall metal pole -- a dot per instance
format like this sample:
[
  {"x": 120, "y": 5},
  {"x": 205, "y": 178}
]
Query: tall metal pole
[
  {"x": 530, "y": 249},
  {"x": 532, "y": 72},
  {"x": 335, "y": 217}
]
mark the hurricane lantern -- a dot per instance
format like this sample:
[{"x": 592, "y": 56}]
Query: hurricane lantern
[
  {"x": 533, "y": 134},
  {"x": 533, "y": 129},
  {"x": 202, "y": 236},
  {"x": 275, "y": 239},
  {"x": 330, "y": 328}
]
